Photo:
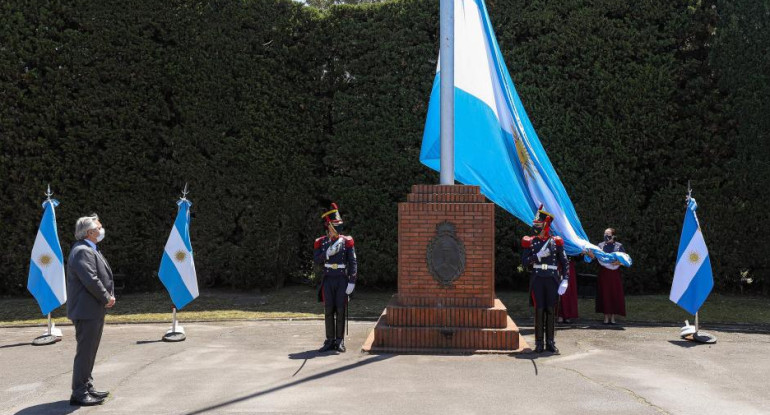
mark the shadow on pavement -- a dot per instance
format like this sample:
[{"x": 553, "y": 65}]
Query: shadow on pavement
[
  {"x": 51, "y": 408},
  {"x": 15, "y": 345},
  {"x": 686, "y": 343},
  {"x": 321, "y": 375},
  {"x": 307, "y": 355},
  {"x": 148, "y": 341},
  {"x": 531, "y": 356},
  {"x": 311, "y": 354}
]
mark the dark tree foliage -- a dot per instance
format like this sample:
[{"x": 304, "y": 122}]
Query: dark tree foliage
[
  {"x": 325, "y": 4},
  {"x": 271, "y": 109},
  {"x": 741, "y": 64},
  {"x": 119, "y": 103}
]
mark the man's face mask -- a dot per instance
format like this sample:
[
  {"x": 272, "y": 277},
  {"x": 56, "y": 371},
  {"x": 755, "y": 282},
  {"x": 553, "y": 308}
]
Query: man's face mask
[{"x": 334, "y": 230}]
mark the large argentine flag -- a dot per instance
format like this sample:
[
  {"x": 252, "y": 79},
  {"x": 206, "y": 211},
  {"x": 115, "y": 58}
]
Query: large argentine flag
[
  {"x": 177, "y": 269},
  {"x": 46, "y": 268},
  {"x": 496, "y": 146},
  {"x": 693, "y": 280}
]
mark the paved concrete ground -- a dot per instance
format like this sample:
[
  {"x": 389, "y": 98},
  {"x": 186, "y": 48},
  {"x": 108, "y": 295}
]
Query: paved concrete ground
[{"x": 270, "y": 367}]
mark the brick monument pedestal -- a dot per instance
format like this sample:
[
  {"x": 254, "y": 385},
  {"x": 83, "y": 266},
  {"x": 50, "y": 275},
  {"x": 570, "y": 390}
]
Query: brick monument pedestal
[{"x": 446, "y": 278}]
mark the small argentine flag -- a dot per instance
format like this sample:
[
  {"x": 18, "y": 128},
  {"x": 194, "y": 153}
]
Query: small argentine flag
[
  {"x": 46, "y": 268},
  {"x": 692, "y": 277},
  {"x": 177, "y": 269}
]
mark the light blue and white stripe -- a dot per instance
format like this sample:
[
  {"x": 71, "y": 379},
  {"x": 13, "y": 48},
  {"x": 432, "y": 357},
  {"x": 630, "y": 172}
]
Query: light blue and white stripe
[
  {"x": 46, "y": 279},
  {"x": 693, "y": 279},
  {"x": 177, "y": 268},
  {"x": 496, "y": 146}
]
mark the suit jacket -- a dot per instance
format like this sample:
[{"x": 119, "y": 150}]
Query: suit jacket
[{"x": 89, "y": 283}]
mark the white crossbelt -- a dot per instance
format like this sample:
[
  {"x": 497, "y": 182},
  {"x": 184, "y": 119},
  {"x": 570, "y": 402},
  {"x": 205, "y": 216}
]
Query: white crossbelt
[
  {"x": 339, "y": 266},
  {"x": 546, "y": 267}
]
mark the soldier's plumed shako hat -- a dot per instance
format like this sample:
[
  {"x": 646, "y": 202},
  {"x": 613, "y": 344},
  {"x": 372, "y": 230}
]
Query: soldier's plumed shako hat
[
  {"x": 542, "y": 216},
  {"x": 332, "y": 216}
]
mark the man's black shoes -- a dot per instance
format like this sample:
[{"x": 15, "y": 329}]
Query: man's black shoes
[
  {"x": 98, "y": 394},
  {"x": 328, "y": 345},
  {"x": 551, "y": 347},
  {"x": 335, "y": 345},
  {"x": 86, "y": 400}
]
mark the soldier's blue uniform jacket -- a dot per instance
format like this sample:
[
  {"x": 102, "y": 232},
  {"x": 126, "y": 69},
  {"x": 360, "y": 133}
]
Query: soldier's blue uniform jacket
[
  {"x": 555, "y": 265},
  {"x": 341, "y": 264}
]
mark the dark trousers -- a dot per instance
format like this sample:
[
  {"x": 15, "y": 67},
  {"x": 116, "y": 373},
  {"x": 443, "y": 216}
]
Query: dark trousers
[
  {"x": 544, "y": 292},
  {"x": 335, "y": 301},
  {"x": 88, "y": 334},
  {"x": 544, "y": 297}
]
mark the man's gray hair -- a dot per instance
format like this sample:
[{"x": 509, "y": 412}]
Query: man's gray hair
[{"x": 85, "y": 224}]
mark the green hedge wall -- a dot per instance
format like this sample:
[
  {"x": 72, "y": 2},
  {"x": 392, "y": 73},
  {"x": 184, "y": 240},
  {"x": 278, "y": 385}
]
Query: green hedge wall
[
  {"x": 118, "y": 103},
  {"x": 270, "y": 110}
]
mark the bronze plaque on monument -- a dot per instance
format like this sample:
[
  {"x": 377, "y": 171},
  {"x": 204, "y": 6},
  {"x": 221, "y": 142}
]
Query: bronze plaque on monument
[{"x": 446, "y": 254}]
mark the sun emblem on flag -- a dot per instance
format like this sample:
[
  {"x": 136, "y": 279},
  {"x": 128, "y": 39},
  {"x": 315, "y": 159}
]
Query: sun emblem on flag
[
  {"x": 45, "y": 260},
  {"x": 521, "y": 151},
  {"x": 693, "y": 257},
  {"x": 180, "y": 256}
]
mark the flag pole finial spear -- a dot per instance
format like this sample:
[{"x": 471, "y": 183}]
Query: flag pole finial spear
[
  {"x": 48, "y": 193},
  {"x": 185, "y": 192}
]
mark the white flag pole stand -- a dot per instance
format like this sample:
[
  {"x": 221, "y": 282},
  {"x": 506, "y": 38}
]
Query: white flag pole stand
[
  {"x": 693, "y": 333},
  {"x": 51, "y": 336},
  {"x": 176, "y": 332}
]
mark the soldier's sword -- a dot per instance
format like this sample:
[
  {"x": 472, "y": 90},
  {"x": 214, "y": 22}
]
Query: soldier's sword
[{"x": 347, "y": 317}]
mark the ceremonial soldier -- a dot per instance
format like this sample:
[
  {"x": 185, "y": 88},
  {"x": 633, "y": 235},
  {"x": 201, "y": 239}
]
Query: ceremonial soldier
[
  {"x": 336, "y": 254},
  {"x": 543, "y": 255}
]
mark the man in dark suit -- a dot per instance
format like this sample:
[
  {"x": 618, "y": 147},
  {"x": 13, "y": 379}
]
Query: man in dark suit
[{"x": 90, "y": 291}]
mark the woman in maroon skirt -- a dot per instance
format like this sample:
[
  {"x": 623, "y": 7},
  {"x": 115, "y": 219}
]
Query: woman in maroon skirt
[{"x": 610, "y": 300}]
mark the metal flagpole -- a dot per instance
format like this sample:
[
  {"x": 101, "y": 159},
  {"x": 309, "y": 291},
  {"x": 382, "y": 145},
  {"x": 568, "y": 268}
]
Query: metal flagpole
[
  {"x": 447, "y": 26},
  {"x": 52, "y": 335},
  {"x": 176, "y": 332},
  {"x": 693, "y": 332},
  {"x": 696, "y": 323},
  {"x": 52, "y": 330}
]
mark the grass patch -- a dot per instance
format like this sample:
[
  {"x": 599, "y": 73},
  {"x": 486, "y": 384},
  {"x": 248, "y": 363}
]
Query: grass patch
[
  {"x": 212, "y": 305},
  {"x": 718, "y": 308},
  {"x": 300, "y": 302}
]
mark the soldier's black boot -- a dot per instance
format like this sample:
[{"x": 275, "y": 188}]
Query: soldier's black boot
[
  {"x": 340, "y": 331},
  {"x": 328, "y": 345},
  {"x": 539, "y": 330},
  {"x": 550, "y": 326},
  {"x": 329, "y": 323}
]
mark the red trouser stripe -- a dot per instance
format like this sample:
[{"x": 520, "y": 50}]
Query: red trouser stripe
[{"x": 534, "y": 302}]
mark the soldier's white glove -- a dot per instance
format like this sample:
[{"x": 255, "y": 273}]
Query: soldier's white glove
[
  {"x": 350, "y": 288},
  {"x": 563, "y": 287},
  {"x": 332, "y": 250},
  {"x": 543, "y": 252}
]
